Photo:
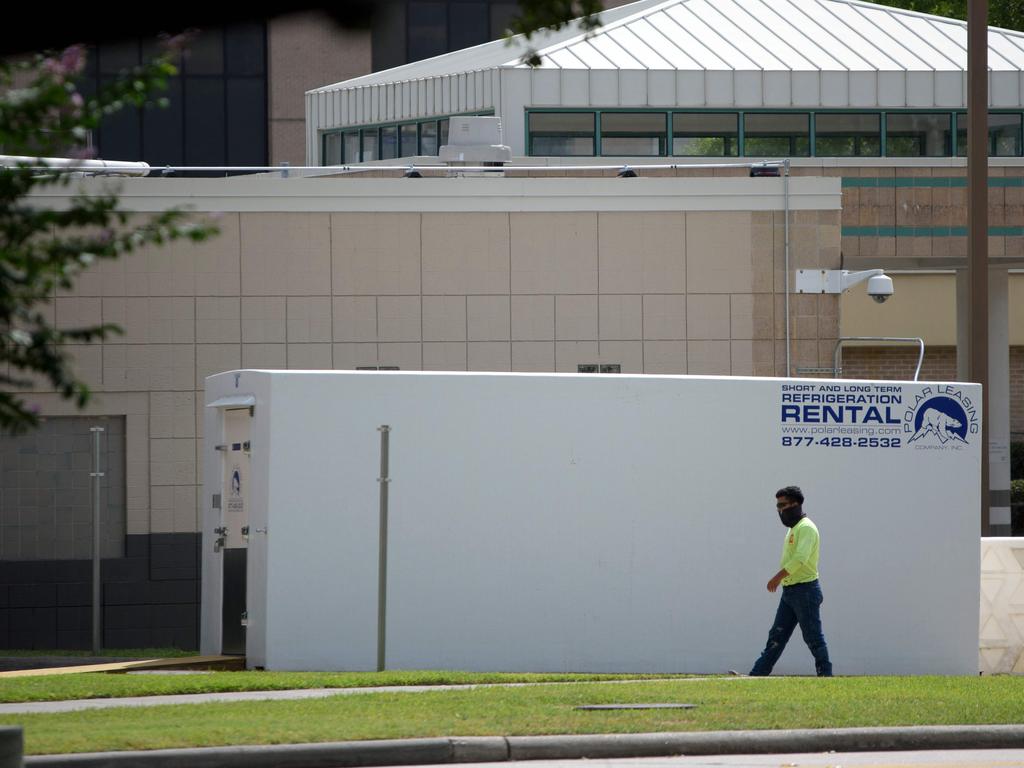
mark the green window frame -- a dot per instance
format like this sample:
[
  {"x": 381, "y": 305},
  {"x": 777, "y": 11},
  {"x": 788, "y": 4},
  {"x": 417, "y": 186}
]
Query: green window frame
[
  {"x": 633, "y": 134},
  {"x": 918, "y": 134},
  {"x": 573, "y": 133},
  {"x": 388, "y": 142},
  {"x": 706, "y": 134},
  {"x": 777, "y": 134},
  {"x": 334, "y": 149},
  {"x": 848, "y": 134},
  {"x": 408, "y": 139},
  {"x": 1004, "y": 134}
]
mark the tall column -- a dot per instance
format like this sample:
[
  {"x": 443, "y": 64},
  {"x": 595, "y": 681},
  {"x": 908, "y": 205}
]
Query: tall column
[{"x": 999, "y": 402}]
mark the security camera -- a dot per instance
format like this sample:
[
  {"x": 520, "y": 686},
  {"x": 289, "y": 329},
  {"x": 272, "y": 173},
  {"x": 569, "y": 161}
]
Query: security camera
[{"x": 880, "y": 288}]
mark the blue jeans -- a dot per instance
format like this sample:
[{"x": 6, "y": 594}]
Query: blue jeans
[{"x": 799, "y": 604}]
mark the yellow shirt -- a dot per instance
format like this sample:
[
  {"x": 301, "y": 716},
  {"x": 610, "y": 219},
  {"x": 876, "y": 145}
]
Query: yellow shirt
[{"x": 800, "y": 553}]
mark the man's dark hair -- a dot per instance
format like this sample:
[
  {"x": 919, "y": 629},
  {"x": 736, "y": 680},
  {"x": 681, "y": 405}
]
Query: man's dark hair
[{"x": 791, "y": 492}]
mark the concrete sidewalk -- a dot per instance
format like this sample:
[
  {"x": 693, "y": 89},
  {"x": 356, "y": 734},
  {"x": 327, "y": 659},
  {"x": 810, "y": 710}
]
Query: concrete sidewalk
[
  {"x": 505, "y": 748},
  {"x": 71, "y": 705}
]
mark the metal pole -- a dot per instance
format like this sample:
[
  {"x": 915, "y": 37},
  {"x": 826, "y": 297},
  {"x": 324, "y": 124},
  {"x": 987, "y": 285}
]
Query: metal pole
[
  {"x": 977, "y": 222},
  {"x": 96, "y": 475},
  {"x": 785, "y": 186},
  {"x": 382, "y": 557}
]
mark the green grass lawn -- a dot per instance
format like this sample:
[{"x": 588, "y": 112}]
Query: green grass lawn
[{"x": 723, "y": 703}]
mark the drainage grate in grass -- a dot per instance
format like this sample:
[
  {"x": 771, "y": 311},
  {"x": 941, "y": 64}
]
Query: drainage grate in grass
[{"x": 636, "y": 706}]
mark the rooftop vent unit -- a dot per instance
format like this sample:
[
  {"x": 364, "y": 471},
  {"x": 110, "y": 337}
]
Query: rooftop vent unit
[{"x": 475, "y": 141}]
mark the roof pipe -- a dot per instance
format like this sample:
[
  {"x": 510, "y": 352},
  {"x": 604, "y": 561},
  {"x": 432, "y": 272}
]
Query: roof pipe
[{"x": 74, "y": 165}]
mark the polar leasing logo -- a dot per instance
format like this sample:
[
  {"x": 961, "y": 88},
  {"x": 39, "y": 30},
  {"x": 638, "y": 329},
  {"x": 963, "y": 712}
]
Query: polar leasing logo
[{"x": 941, "y": 417}]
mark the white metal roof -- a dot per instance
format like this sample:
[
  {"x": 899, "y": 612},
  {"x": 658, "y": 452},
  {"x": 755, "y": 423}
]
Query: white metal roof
[
  {"x": 691, "y": 54},
  {"x": 771, "y": 35}
]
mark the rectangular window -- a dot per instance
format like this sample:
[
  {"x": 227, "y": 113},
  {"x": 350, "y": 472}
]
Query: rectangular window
[
  {"x": 389, "y": 142},
  {"x": 771, "y": 134},
  {"x": 351, "y": 147},
  {"x": 244, "y": 49},
  {"x": 426, "y": 29},
  {"x": 369, "y": 144},
  {"x": 206, "y": 53},
  {"x": 705, "y": 134},
  {"x": 561, "y": 134},
  {"x": 917, "y": 135},
  {"x": 847, "y": 135},
  {"x": 442, "y": 132},
  {"x": 428, "y": 138},
  {"x": 409, "y": 141},
  {"x": 468, "y": 24},
  {"x": 1004, "y": 135},
  {"x": 333, "y": 149},
  {"x": 246, "y": 121},
  {"x": 634, "y": 134}
]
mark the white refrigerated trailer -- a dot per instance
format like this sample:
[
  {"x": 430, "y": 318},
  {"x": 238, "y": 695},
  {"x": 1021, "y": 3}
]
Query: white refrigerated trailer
[{"x": 583, "y": 522}]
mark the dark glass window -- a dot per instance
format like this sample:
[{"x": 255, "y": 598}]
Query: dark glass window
[
  {"x": 217, "y": 112},
  {"x": 501, "y": 18},
  {"x": 917, "y": 135},
  {"x": 776, "y": 134},
  {"x": 468, "y": 24},
  {"x": 334, "y": 145},
  {"x": 428, "y": 138},
  {"x": 442, "y": 132},
  {"x": 427, "y": 29},
  {"x": 205, "y": 121},
  {"x": 205, "y": 54},
  {"x": 409, "y": 141},
  {"x": 558, "y": 134},
  {"x": 846, "y": 135},
  {"x": 163, "y": 129},
  {"x": 351, "y": 154},
  {"x": 246, "y": 121},
  {"x": 244, "y": 47},
  {"x": 389, "y": 142},
  {"x": 114, "y": 57},
  {"x": 369, "y": 144},
  {"x": 633, "y": 133},
  {"x": 1004, "y": 135},
  {"x": 122, "y": 130},
  {"x": 705, "y": 134}
]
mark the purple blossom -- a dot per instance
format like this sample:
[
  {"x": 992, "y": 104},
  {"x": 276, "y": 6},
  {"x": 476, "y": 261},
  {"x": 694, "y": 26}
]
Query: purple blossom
[
  {"x": 73, "y": 59},
  {"x": 69, "y": 63}
]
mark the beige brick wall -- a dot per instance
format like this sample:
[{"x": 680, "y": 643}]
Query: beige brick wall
[
  {"x": 304, "y": 51},
  {"x": 666, "y": 292},
  {"x": 939, "y": 365},
  {"x": 924, "y": 207}
]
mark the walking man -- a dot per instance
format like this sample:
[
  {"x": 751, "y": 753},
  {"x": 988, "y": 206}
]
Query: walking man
[{"x": 801, "y": 593}]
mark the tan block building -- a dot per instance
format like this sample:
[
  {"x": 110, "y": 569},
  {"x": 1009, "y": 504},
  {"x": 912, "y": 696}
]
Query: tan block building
[{"x": 570, "y": 269}]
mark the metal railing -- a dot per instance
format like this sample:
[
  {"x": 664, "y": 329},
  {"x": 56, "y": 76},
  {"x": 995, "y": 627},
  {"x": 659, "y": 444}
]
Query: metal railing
[{"x": 837, "y": 369}]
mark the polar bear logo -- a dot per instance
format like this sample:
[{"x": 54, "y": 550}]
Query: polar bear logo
[{"x": 942, "y": 425}]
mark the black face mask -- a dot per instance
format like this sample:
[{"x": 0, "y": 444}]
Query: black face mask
[{"x": 791, "y": 516}]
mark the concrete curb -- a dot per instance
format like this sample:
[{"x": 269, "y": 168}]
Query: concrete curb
[{"x": 482, "y": 749}]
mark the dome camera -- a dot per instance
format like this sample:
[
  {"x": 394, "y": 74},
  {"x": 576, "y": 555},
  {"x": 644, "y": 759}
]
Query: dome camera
[{"x": 880, "y": 288}]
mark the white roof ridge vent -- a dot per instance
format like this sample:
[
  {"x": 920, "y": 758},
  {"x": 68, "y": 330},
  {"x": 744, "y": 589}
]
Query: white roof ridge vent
[{"x": 475, "y": 141}]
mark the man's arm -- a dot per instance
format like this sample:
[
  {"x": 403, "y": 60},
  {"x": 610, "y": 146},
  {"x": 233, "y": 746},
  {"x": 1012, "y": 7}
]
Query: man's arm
[{"x": 777, "y": 579}]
